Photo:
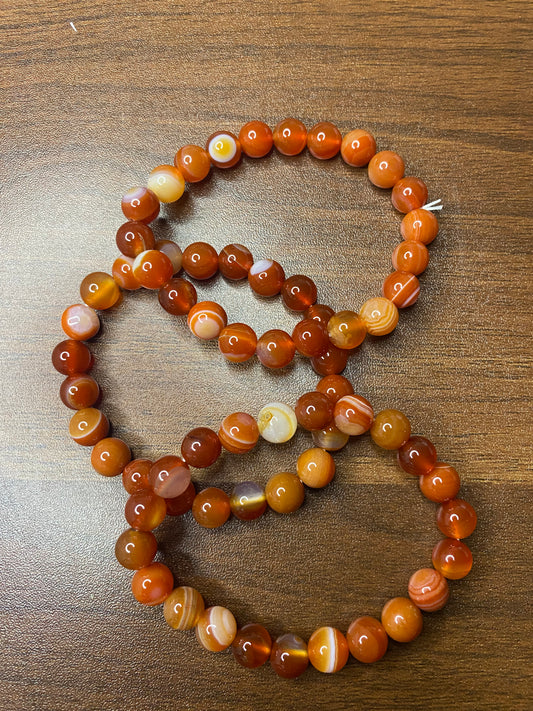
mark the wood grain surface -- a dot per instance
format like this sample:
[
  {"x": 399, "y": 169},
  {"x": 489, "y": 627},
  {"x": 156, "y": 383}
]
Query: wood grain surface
[{"x": 96, "y": 94}]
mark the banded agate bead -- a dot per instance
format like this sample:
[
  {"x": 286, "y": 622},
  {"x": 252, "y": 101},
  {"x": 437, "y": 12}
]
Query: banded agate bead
[
  {"x": 206, "y": 320},
  {"x": 290, "y": 137},
  {"x": 324, "y": 140},
  {"x": 152, "y": 269},
  {"x": 201, "y": 447},
  {"x": 72, "y": 357},
  {"x": 79, "y": 391},
  {"x": 328, "y": 650},
  {"x": 234, "y": 261},
  {"x": 330, "y": 438},
  {"x": 216, "y": 628},
  {"x": 353, "y": 414},
  {"x": 310, "y": 337},
  {"x": 385, "y": 169},
  {"x": 402, "y": 288},
  {"x": 456, "y": 518},
  {"x": 417, "y": 456},
  {"x": 284, "y": 492},
  {"x": 193, "y": 163},
  {"x": 145, "y": 510},
  {"x": 401, "y": 619},
  {"x": 173, "y": 252},
  {"x": 315, "y": 467},
  {"x": 135, "y": 549},
  {"x": 266, "y": 277},
  {"x": 275, "y": 349},
  {"x": 331, "y": 361},
  {"x": 179, "y": 505},
  {"x": 289, "y": 657},
  {"x": 110, "y": 455},
  {"x": 224, "y": 149},
  {"x": 298, "y": 292},
  {"x": 252, "y": 646},
  {"x": 88, "y": 426},
  {"x": 133, "y": 238},
  {"x": 122, "y": 271},
  {"x": 428, "y": 589},
  {"x": 358, "y": 147},
  {"x": 80, "y": 322},
  {"x": 410, "y": 256},
  {"x": 346, "y": 329},
  {"x": 419, "y": 226},
  {"x": 140, "y": 205},
  {"x": 177, "y": 296},
  {"x": 153, "y": 584},
  {"x": 167, "y": 183},
  {"x": 136, "y": 475},
  {"x": 452, "y": 558},
  {"x": 256, "y": 139},
  {"x": 391, "y": 429},
  {"x": 379, "y": 315},
  {"x": 211, "y": 507},
  {"x": 314, "y": 410},
  {"x": 442, "y": 483},
  {"x": 237, "y": 342},
  {"x": 334, "y": 387},
  {"x": 248, "y": 501},
  {"x": 99, "y": 291},
  {"x": 169, "y": 477},
  {"x": 200, "y": 260},
  {"x": 238, "y": 433},
  {"x": 409, "y": 194},
  {"x": 367, "y": 639},
  {"x": 183, "y": 608},
  {"x": 277, "y": 422}
]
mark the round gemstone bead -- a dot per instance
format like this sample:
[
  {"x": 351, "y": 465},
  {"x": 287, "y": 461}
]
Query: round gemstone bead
[
  {"x": 193, "y": 163},
  {"x": 290, "y": 137},
  {"x": 402, "y": 288},
  {"x": 310, "y": 337},
  {"x": 332, "y": 360},
  {"x": 136, "y": 475},
  {"x": 152, "y": 269},
  {"x": 133, "y": 238},
  {"x": 169, "y": 476},
  {"x": 152, "y": 584},
  {"x": 110, "y": 455},
  {"x": 135, "y": 549},
  {"x": 145, "y": 510},
  {"x": 238, "y": 433},
  {"x": 401, "y": 619},
  {"x": 266, "y": 277},
  {"x": 167, "y": 183},
  {"x": 201, "y": 447},
  {"x": 237, "y": 342},
  {"x": 385, "y": 169},
  {"x": 179, "y": 505},
  {"x": 346, "y": 329},
  {"x": 315, "y": 467},
  {"x": 328, "y": 650},
  {"x": 256, "y": 139},
  {"x": 177, "y": 296},
  {"x": 442, "y": 483},
  {"x": 122, "y": 271},
  {"x": 314, "y": 411},
  {"x": 334, "y": 387},
  {"x": 409, "y": 194},
  {"x": 324, "y": 140},
  {"x": 410, "y": 256},
  {"x": 200, "y": 260},
  {"x": 211, "y": 507},
  {"x": 428, "y": 589},
  {"x": 183, "y": 608},
  {"x": 298, "y": 292},
  {"x": 216, "y": 629},
  {"x": 99, "y": 291},
  {"x": 80, "y": 322},
  {"x": 289, "y": 657},
  {"x": 367, "y": 639},
  {"x": 358, "y": 147},
  {"x": 419, "y": 226},
  {"x": 224, "y": 149},
  {"x": 88, "y": 426},
  {"x": 206, "y": 320},
  {"x": 353, "y": 414},
  {"x": 417, "y": 456},
  {"x": 248, "y": 501},
  {"x": 72, "y": 357},
  {"x": 234, "y": 261},
  {"x": 140, "y": 205},
  {"x": 252, "y": 646},
  {"x": 330, "y": 438},
  {"x": 391, "y": 429},
  {"x": 452, "y": 558},
  {"x": 456, "y": 518},
  {"x": 275, "y": 349},
  {"x": 379, "y": 315},
  {"x": 277, "y": 422},
  {"x": 79, "y": 391},
  {"x": 320, "y": 312},
  {"x": 173, "y": 252},
  {"x": 284, "y": 492}
]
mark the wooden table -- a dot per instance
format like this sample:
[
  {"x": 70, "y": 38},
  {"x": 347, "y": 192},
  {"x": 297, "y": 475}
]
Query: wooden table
[{"x": 96, "y": 94}]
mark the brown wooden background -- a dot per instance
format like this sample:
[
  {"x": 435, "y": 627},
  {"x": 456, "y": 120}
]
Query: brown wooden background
[{"x": 86, "y": 114}]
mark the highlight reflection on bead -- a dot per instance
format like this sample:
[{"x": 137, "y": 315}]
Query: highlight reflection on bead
[{"x": 277, "y": 422}]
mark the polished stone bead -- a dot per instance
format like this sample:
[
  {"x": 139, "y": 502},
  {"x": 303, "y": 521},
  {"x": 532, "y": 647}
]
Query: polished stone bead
[
  {"x": 319, "y": 312},
  {"x": 169, "y": 476},
  {"x": 334, "y": 387},
  {"x": 275, "y": 349},
  {"x": 173, "y": 252},
  {"x": 410, "y": 256},
  {"x": 140, "y": 205},
  {"x": 177, "y": 296},
  {"x": 145, "y": 510},
  {"x": 179, "y": 505},
  {"x": 216, "y": 628},
  {"x": 206, "y": 320},
  {"x": 79, "y": 391},
  {"x": 380, "y": 316},
  {"x": 401, "y": 619},
  {"x": 285, "y": 492},
  {"x": 200, "y": 260},
  {"x": 314, "y": 410},
  {"x": 333, "y": 360},
  {"x": 183, "y": 608},
  {"x": 367, "y": 639},
  {"x": 110, "y": 455},
  {"x": 211, "y": 507},
  {"x": 290, "y": 136},
  {"x": 310, "y": 337},
  {"x": 402, "y": 288},
  {"x": 135, "y": 549},
  {"x": 238, "y": 433},
  {"x": 417, "y": 456},
  {"x": 80, "y": 322},
  {"x": 252, "y": 646},
  {"x": 266, "y": 277},
  {"x": 315, "y": 467},
  {"x": 99, "y": 291},
  {"x": 277, "y": 422},
  {"x": 133, "y": 238},
  {"x": 234, "y": 261},
  {"x": 152, "y": 269},
  {"x": 456, "y": 518},
  {"x": 152, "y": 584},
  {"x": 353, "y": 414},
  {"x": 330, "y": 438},
  {"x": 88, "y": 426},
  {"x": 428, "y": 589},
  {"x": 391, "y": 429},
  {"x": 136, "y": 475},
  {"x": 409, "y": 194},
  {"x": 122, "y": 271},
  {"x": 248, "y": 500},
  {"x": 419, "y": 226},
  {"x": 193, "y": 163},
  {"x": 201, "y": 447},
  {"x": 358, "y": 147},
  {"x": 452, "y": 558},
  {"x": 298, "y": 292},
  {"x": 256, "y": 139},
  {"x": 237, "y": 342},
  {"x": 442, "y": 483},
  {"x": 166, "y": 182},
  {"x": 385, "y": 169},
  {"x": 328, "y": 650},
  {"x": 224, "y": 149},
  {"x": 324, "y": 140},
  {"x": 289, "y": 657},
  {"x": 346, "y": 329}
]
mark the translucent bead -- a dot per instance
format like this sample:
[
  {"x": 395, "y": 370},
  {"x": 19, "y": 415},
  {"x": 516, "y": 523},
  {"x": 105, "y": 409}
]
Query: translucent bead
[
  {"x": 275, "y": 349},
  {"x": 71, "y": 357},
  {"x": 428, "y": 589},
  {"x": 216, "y": 629},
  {"x": 385, "y": 169},
  {"x": 256, "y": 139},
  {"x": 315, "y": 467},
  {"x": 290, "y": 136},
  {"x": 456, "y": 518},
  {"x": 169, "y": 476},
  {"x": 153, "y": 584},
  {"x": 145, "y": 510},
  {"x": 99, "y": 291},
  {"x": 452, "y": 558},
  {"x": 409, "y": 194},
  {"x": 166, "y": 182},
  {"x": 237, "y": 342},
  {"x": 136, "y": 475},
  {"x": 88, "y": 426},
  {"x": 353, "y": 414},
  {"x": 234, "y": 261},
  {"x": 330, "y": 438},
  {"x": 211, "y": 507},
  {"x": 391, "y": 429},
  {"x": 248, "y": 501},
  {"x": 328, "y": 650},
  {"x": 289, "y": 657},
  {"x": 238, "y": 433},
  {"x": 177, "y": 296},
  {"x": 346, "y": 329},
  {"x": 314, "y": 411},
  {"x": 442, "y": 483},
  {"x": 401, "y": 619},
  {"x": 133, "y": 238},
  {"x": 420, "y": 226},
  {"x": 135, "y": 549},
  {"x": 417, "y": 456},
  {"x": 310, "y": 337},
  {"x": 284, "y": 492},
  {"x": 380, "y": 316},
  {"x": 140, "y": 205},
  {"x": 334, "y": 387},
  {"x": 332, "y": 360},
  {"x": 266, "y": 277},
  {"x": 402, "y": 288},
  {"x": 122, "y": 272},
  {"x": 277, "y": 422},
  {"x": 80, "y": 322},
  {"x": 200, "y": 260},
  {"x": 79, "y": 391},
  {"x": 110, "y": 455},
  {"x": 193, "y": 163},
  {"x": 224, "y": 149},
  {"x": 320, "y": 312},
  {"x": 173, "y": 252},
  {"x": 298, "y": 292},
  {"x": 324, "y": 140},
  {"x": 183, "y": 608},
  {"x": 252, "y": 646},
  {"x": 152, "y": 269},
  {"x": 358, "y": 147},
  {"x": 206, "y": 320},
  {"x": 201, "y": 447},
  {"x": 410, "y": 257},
  {"x": 179, "y": 505},
  {"x": 367, "y": 639}
]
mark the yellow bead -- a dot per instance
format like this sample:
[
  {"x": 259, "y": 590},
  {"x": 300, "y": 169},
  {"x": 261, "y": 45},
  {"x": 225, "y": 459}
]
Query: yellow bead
[
  {"x": 167, "y": 183},
  {"x": 379, "y": 315}
]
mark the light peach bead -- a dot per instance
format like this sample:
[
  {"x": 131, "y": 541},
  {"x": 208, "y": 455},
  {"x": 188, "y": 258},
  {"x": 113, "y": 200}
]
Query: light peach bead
[
  {"x": 216, "y": 629},
  {"x": 353, "y": 414},
  {"x": 207, "y": 319},
  {"x": 380, "y": 316},
  {"x": 166, "y": 182},
  {"x": 428, "y": 589},
  {"x": 80, "y": 322}
]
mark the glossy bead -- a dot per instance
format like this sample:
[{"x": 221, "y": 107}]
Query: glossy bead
[
  {"x": 234, "y": 261},
  {"x": 401, "y": 619},
  {"x": 334, "y": 387},
  {"x": 183, "y": 608},
  {"x": 72, "y": 357},
  {"x": 201, "y": 447},
  {"x": 367, "y": 639},
  {"x": 80, "y": 322},
  {"x": 409, "y": 194},
  {"x": 79, "y": 391},
  {"x": 122, "y": 272},
  {"x": 216, "y": 629},
  {"x": 193, "y": 163},
  {"x": 224, "y": 149},
  {"x": 284, "y": 492},
  {"x": 206, "y": 320},
  {"x": 248, "y": 501},
  {"x": 402, "y": 288},
  {"x": 256, "y": 139},
  {"x": 169, "y": 477},
  {"x": 145, "y": 510},
  {"x": 266, "y": 277},
  {"x": 166, "y": 182},
  {"x": 442, "y": 483},
  {"x": 314, "y": 411},
  {"x": 411, "y": 257},
  {"x": 290, "y": 137},
  {"x": 179, "y": 505},
  {"x": 88, "y": 426},
  {"x": 173, "y": 252},
  {"x": 289, "y": 657},
  {"x": 320, "y": 312},
  {"x": 277, "y": 422},
  {"x": 456, "y": 518},
  {"x": 275, "y": 349},
  {"x": 252, "y": 646},
  {"x": 391, "y": 429},
  {"x": 385, "y": 169},
  {"x": 380, "y": 316},
  {"x": 136, "y": 475},
  {"x": 177, "y": 296},
  {"x": 324, "y": 140},
  {"x": 452, "y": 558},
  {"x": 133, "y": 238},
  {"x": 315, "y": 467},
  {"x": 140, "y": 205},
  {"x": 417, "y": 456},
  {"x": 330, "y": 438},
  {"x": 428, "y": 589},
  {"x": 99, "y": 291},
  {"x": 332, "y": 360},
  {"x": 328, "y": 650},
  {"x": 152, "y": 584},
  {"x": 353, "y": 414},
  {"x": 310, "y": 337},
  {"x": 110, "y": 455},
  {"x": 238, "y": 433},
  {"x": 211, "y": 507},
  {"x": 298, "y": 292},
  {"x": 200, "y": 260},
  {"x": 152, "y": 269},
  {"x": 346, "y": 329},
  {"x": 358, "y": 147},
  {"x": 135, "y": 549},
  {"x": 237, "y": 342},
  {"x": 420, "y": 226}
]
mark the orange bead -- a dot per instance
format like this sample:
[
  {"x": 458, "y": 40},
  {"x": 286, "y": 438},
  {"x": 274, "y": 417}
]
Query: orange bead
[
  {"x": 275, "y": 349},
  {"x": 200, "y": 260},
  {"x": 211, "y": 507},
  {"x": 183, "y": 608},
  {"x": 207, "y": 320},
  {"x": 99, "y": 291},
  {"x": 169, "y": 477},
  {"x": 402, "y": 288},
  {"x": 379, "y": 315},
  {"x": 177, "y": 296},
  {"x": 238, "y": 433},
  {"x": 140, "y": 205},
  {"x": 248, "y": 501},
  {"x": 237, "y": 342},
  {"x": 79, "y": 391},
  {"x": 88, "y": 426},
  {"x": 314, "y": 410},
  {"x": 330, "y": 438},
  {"x": 145, "y": 510},
  {"x": 72, "y": 357},
  {"x": 328, "y": 650},
  {"x": 152, "y": 584},
  {"x": 385, "y": 169},
  {"x": 122, "y": 272},
  {"x": 332, "y": 360},
  {"x": 456, "y": 518},
  {"x": 409, "y": 194},
  {"x": 173, "y": 252},
  {"x": 285, "y": 492},
  {"x": 310, "y": 337},
  {"x": 428, "y": 589},
  {"x": 109, "y": 456},
  {"x": 410, "y": 257},
  {"x": 315, "y": 467},
  {"x": 367, "y": 639},
  {"x": 289, "y": 657},
  {"x": 234, "y": 261},
  {"x": 452, "y": 558},
  {"x": 152, "y": 269},
  {"x": 216, "y": 629},
  {"x": 179, "y": 505},
  {"x": 346, "y": 329},
  {"x": 401, "y": 619},
  {"x": 391, "y": 429},
  {"x": 224, "y": 149},
  {"x": 324, "y": 140},
  {"x": 298, "y": 292},
  {"x": 290, "y": 137},
  {"x": 334, "y": 387},
  {"x": 252, "y": 646},
  {"x": 420, "y": 226},
  {"x": 201, "y": 447},
  {"x": 266, "y": 277},
  {"x": 441, "y": 484},
  {"x": 167, "y": 183},
  {"x": 80, "y": 322},
  {"x": 136, "y": 475},
  {"x": 358, "y": 147},
  {"x": 135, "y": 549},
  {"x": 256, "y": 139},
  {"x": 193, "y": 163},
  {"x": 417, "y": 456},
  {"x": 353, "y": 414},
  {"x": 133, "y": 238}
]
